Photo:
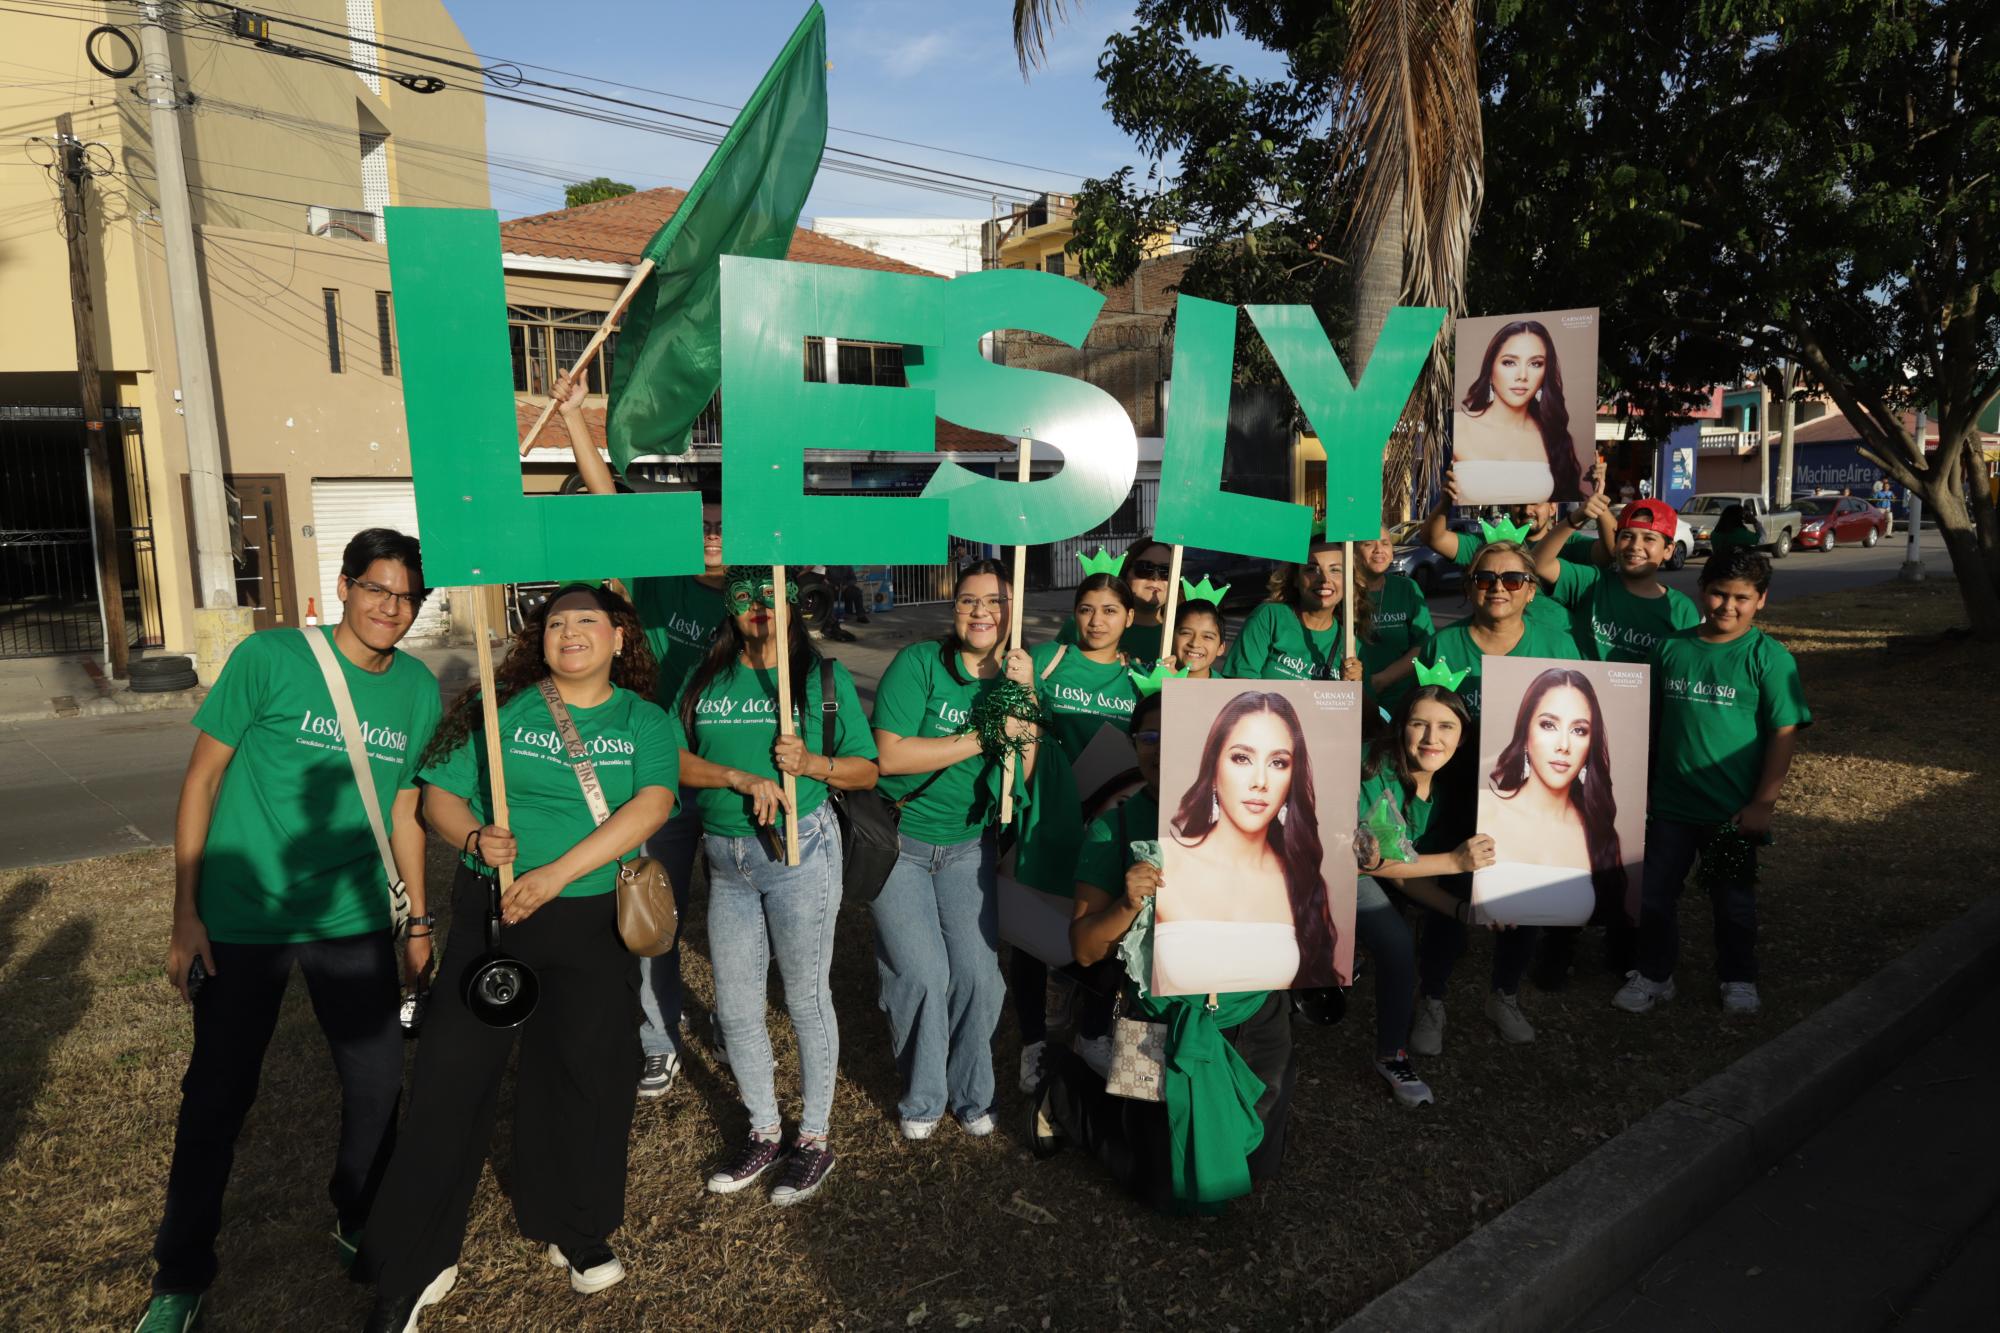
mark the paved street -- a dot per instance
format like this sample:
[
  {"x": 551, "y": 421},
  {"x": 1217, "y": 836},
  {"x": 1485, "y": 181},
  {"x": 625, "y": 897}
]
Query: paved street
[{"x": 78, "y": 787}]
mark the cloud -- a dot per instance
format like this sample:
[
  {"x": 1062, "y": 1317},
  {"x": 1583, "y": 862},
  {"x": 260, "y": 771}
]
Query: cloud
[{"x": 908, "y": 56}]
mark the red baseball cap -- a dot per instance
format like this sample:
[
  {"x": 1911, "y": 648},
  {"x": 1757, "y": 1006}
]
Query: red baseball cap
[{"x": 1650, "y": 516}]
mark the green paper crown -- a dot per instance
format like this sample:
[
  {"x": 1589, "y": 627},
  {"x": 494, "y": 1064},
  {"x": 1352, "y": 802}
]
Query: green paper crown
[
  {"x": 1101, "y": 563},
  {"x": 1149, "y": 682},
  {"x": 1506, "y": 530},
  {"x": 1203, "y": 591},
  {"x": 1441, "y": 674}
]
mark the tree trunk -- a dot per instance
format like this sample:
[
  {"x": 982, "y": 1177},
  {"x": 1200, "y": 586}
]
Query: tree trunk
[
  {"x": 1976, "y": 585},
  {"x": 1378, "y": 287}
]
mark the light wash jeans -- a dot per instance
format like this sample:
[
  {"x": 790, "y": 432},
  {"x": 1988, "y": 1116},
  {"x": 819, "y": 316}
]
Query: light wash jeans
[
  {"x": 937, "y": 946},
  {"x": 758, "y": 906},
  {"x": 674, "y": 847}
]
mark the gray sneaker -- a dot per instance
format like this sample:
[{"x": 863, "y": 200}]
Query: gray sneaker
[
  {"x": 1641, "y": 995},
  {"x": 1504, "y": 1012},
  {"x": 656, "y": 1076},
  {"x": 1427, "y": 1033},
  {"x": 1740, "y": 998},
  {"x": 1401, "y": 1076}
]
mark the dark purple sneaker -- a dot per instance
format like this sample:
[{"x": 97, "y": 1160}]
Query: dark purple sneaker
[
  {"x": 810, "y": 1165},
  {"x": 752, "y": 1160}
]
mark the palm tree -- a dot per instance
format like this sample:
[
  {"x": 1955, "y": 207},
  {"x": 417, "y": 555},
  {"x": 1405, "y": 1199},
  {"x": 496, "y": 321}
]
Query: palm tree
[{"x": 1410, "y": 122}]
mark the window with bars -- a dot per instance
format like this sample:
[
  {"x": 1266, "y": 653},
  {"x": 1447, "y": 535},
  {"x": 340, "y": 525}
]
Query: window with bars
[
  {"x": 330, "y": 298},
  {"x": 1054, "y": 264},
  {"x": 546, "y": 342},
  {"x": 858, "y": 362},
  {"x": 385, "y": 332}
]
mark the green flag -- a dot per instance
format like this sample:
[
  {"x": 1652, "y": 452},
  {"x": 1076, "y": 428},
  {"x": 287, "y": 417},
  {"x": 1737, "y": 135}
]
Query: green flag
[{"x": 746, "y": 202}]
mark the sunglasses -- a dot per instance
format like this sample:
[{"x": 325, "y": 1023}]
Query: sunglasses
[
  {"x": 1513, "y": 580},
  {"x": 1149, "y": 569}
]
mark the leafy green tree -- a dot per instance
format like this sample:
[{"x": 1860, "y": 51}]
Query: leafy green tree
[
  {"x": 593, "y": 190},
  {"x": 1742, "y": 182}
]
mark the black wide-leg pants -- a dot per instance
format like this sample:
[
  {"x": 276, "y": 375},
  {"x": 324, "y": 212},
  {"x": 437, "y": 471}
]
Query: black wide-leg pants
[{"x": 573, "y": 1095}]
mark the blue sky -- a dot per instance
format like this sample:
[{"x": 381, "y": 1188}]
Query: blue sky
[{"x": 938, "y": 72}]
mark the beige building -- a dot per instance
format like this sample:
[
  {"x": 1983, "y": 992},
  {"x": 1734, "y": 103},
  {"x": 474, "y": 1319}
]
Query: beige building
[{"x": 290, "y": 163}]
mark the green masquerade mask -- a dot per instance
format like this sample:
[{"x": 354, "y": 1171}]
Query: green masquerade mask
[{"x": 747, "y": 586}]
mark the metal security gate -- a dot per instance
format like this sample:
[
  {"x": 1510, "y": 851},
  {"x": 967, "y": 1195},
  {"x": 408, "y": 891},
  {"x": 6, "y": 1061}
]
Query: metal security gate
[{"x": 48, "y": 566}]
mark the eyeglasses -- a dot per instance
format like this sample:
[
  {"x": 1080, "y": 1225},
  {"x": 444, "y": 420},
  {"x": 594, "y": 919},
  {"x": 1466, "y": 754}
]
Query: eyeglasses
[
  {"x": 1513, "y": 580},
  {"x": 1146, "y": 737},
  {"x": 402, "y": 601},
  {"x": 1149, "y": 569},
  {"x": 971, "y": 604}
]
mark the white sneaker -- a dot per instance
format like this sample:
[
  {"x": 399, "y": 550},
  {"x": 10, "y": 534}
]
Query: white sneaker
[
  {"x": 1504, "y": 1012},
  {"x": 978, "y": 1126},
  {"x": 1031, "y": 1065},
  {"x": 1096, "y": 1052},
  {"x": 1641, "y": 995},
  {"x": 1401, "y": 1076},
  {"x": 602, "y": 1268},
  {"x": 915, "y": 1131},
  {"x": 1427, "y": 1033},
  {"x": 1740, "y": 998}
]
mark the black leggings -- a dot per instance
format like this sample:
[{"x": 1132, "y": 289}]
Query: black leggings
[
  {"x": 572, "y": 1096},
  {"x": 1028, "y": 980}
]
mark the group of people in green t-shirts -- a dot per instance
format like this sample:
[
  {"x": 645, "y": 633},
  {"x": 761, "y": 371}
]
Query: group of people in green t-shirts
[{"x": 667, "y": 705}]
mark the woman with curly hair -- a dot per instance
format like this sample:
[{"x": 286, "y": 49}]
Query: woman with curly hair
[
  {"x": 1296, "y": 634},
  {"x": 585, "y": 653}
]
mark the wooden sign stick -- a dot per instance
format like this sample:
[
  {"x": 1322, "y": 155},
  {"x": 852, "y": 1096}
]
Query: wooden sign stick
[
  {"x": 1347, "y": 598},
  {"x": 490, "y": 716},
  {"x": 1173, "y": 605},
  {"x": 584, "y": 358},
  {"x": 782, "y": 610},
  {"x": 1014, "y": 639}
]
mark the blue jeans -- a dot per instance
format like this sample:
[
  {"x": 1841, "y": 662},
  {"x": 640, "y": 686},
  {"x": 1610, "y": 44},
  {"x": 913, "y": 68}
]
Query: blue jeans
[
  {"x": 937, "y": 946},
  {"x": 1380, "y": 929},
  {"x": 674, "y": 847},
  {"x": 758, "y": 906},
  {"x": 1672, "y": 848}
]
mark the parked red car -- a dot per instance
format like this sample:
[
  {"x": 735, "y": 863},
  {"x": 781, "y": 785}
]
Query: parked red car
[{"x": 1832, "y": 520}]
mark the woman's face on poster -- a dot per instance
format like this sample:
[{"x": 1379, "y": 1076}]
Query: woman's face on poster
[
  {"x": 1559, "y": 737},
  {"x": 1431, "y": 736},
  {"x": 1253, "y": 774},
  {"x": 1518, "y": 370}
]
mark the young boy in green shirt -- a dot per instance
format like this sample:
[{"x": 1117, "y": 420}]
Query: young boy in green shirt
[
  {"x": 1617, "y": 613},
  {"x": 1727, "y": 709},
  {"x": 276, "y": 866}
]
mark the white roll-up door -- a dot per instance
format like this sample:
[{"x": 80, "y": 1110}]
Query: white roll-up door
[{"x": 342, "y": 508}]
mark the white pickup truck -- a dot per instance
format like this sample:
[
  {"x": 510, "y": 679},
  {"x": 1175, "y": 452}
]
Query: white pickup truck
[{"x": 1776, "y": 528}]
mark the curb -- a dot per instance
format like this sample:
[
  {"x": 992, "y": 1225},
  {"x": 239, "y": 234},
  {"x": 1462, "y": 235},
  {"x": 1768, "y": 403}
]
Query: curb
[{"x": 1558, "y": 1252}]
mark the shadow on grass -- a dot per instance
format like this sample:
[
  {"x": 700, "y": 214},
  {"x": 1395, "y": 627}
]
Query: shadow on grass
[{"x": 42, "y": 998}]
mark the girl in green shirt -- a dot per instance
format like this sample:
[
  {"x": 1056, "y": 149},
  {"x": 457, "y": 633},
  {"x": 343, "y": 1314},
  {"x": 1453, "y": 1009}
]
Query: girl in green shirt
[
  {"x": 579, "y": 1052},
  {"x": 1144, "y": 567},
  {"x": 937, "y": 927},
  {"x": 734, "y": 758},
  {"x": 1296, "y": 635}
]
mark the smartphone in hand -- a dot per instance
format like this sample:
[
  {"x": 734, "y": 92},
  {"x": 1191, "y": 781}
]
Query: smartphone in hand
[{"x": 197, "y": 977}]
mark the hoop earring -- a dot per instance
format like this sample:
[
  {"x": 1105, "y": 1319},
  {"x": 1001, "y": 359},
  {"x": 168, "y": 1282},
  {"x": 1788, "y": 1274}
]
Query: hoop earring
[
  {"x": 1281, "y": 813},
  {"x": 1214, "y": 809}
]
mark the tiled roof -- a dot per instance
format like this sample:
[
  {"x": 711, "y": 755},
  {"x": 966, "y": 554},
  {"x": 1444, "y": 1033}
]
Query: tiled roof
[
  {"x": 950, "y": 438},
  {"x": 615, "y": 231}
]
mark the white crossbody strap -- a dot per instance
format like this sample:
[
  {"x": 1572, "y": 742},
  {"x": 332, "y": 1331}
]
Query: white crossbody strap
[
  {"x": 579, "y": 758},
  {"x": 364, "y": 780}
]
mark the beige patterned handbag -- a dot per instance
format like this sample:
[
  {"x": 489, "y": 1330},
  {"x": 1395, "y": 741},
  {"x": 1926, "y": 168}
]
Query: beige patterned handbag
[{"x": 1138, "y": 1056}]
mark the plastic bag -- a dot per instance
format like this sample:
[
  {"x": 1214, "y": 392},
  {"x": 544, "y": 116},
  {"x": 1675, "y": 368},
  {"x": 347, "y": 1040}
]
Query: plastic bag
[{"x": 1384, "y": 827}]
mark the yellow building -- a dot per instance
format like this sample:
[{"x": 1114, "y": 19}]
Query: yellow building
[
  {"x": 290, "y": 163},
  {"x": 1033, "y": 236}
]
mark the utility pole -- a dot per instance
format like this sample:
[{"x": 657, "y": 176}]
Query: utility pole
[
  {"x": 1913, "y": 553},
  {"x": 215, "y": 570},
  {"x": 1764, "y": 439},
  {"x": 72, "y": 171},
  {"x": 1788, "y": 375}
]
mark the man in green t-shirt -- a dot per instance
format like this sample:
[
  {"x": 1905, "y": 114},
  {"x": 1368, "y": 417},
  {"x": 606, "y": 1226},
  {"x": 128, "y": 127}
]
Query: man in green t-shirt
[
  {"x": 680, "y": 615},
  {"x": 1618, "y": 613},
  {"x": 1727, "y": 709},
  {"x": 276, "y": 865}
]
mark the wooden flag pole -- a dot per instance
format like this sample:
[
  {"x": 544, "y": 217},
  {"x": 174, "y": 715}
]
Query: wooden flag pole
[
  {"x": 1014, "y": 638},
  {"x": 1173, "y": 605},
  {"x": 1347, "y": 598},
  {"x": 782, "y": 611},
  {"x": 584, "y": 358},
  {"x": 490, "y": 717}
]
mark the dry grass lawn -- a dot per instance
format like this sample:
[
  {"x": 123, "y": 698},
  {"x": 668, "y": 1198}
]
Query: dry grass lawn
[{"x": 1889, "y": 807}]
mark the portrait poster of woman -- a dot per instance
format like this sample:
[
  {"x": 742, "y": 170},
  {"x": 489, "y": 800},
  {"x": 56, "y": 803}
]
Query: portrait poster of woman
[
  {"x": 1524, "y": 407},
  {"x": 1258, "y": 781},
  {"x": 1562, "y": 790}
]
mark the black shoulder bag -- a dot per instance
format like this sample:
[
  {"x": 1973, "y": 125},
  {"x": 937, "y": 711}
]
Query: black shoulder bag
[{"x": 868, "y": 820}]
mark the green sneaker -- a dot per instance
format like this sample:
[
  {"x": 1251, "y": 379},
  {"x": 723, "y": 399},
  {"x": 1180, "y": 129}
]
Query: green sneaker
[
  {"x": 172, "y": 1312},
  {"x": 347, "y": 1244}
]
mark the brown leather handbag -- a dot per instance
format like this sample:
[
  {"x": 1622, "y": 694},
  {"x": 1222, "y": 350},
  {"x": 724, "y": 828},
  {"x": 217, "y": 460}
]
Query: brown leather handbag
[{"x": 647, "y": 920}]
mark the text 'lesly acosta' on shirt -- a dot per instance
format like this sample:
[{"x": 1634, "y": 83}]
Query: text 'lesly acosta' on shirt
[
  {"x": 290, "y": 856},
  {"x": 1613, "y": 624},
  {"x": 925, "y": 692},
  {"x": 736, "y": 724},
  {"x": 628, "y": 740},
  {"x": 1715, "y": 706},
  {"x": 1274, "y": 644},
  {"x": 1401, "y": 621},
  {"x": 679, "y": 615},
  {"x": 1079, "y": 695}
]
